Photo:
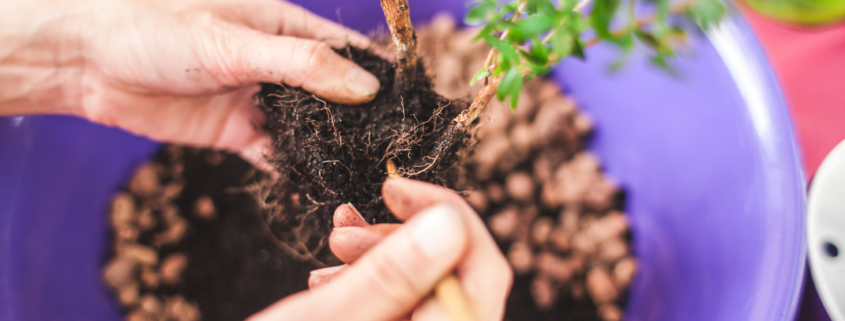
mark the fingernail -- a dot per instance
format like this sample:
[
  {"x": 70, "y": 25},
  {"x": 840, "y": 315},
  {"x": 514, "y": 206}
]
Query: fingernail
[
  {"x": 437, "y": 229},
  {"x": 361, "y": 82},
  {"x": 328, "y": 270},
  {"x": 346, "y": 228}
]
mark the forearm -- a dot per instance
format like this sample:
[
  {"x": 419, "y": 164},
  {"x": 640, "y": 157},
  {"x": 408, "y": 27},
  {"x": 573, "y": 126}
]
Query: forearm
[{"x": 41, "y": 57}]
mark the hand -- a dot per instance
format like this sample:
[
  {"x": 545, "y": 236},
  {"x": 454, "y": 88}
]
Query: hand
[
  {"x": 182, "y": 71},
  {"x": 392, "y": 268}
]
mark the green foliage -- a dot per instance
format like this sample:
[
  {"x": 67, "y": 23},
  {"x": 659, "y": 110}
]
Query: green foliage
[{"x": 548, "y": 31}]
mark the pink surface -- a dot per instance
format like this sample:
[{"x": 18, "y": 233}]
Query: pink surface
[{"x": 810, "y": 66}]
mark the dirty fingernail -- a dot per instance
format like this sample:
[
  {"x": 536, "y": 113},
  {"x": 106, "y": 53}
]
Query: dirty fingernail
[
  {"x": 437, "y": 229},
  {"x": 361, "y": 82},
  {"x": 348, "y": 215}
]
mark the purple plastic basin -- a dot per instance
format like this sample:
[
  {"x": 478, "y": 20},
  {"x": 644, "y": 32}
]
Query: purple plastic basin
[{"x": 714, "y": 189}]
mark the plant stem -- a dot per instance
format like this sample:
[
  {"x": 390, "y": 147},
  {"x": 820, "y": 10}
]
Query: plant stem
[
  {"x": 397, "y": 13},
  {"x": 491, "y": 84},
  {"x": 462, "y": 123}
]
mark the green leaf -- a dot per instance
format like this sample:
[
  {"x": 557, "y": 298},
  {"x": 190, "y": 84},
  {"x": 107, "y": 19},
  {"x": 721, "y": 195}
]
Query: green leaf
[
  {"x": 602, "y": 15},
  {"x": 515, "y": 89},
  {"x": 509, "y": 8},
  {"x": 536, "y": 69},
  {"x": 676, "y": 36},
  {"x": 532, "y": 26},
  {"x": 706, "y": 13},
  {"x": 561, "y": 43},
  {"x": 625, "y": 40},
  {"x": 488, "y": 30},
  {"x": 578, "y": 49},
  {"x": 483, "y": 12},
  {"x": 647, "y": 38},
  {"x": 539, "y": 51},
  {"x": 508, "y": 82},
  {"x": 660, "y": 62},
  {"x": 483, "y": 73},
  {"x": 505, "y": 48}
]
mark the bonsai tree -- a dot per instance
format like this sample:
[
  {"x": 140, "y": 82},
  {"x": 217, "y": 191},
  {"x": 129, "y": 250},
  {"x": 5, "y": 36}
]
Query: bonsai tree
[
  {"x": 529, "y": 37},
  {"x": 328, "y": 154}
]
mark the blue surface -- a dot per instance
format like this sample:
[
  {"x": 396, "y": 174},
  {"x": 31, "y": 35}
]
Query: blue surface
[{"x": 715, "y": 193}]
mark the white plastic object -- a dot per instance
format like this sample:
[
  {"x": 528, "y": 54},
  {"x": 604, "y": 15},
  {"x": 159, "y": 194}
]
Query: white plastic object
[{"x": 826, "y": 232}]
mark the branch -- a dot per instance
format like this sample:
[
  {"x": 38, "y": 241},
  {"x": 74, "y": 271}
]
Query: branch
[
  {"x": 398, "y": 18},
  {"x": 487, "y": 92}
]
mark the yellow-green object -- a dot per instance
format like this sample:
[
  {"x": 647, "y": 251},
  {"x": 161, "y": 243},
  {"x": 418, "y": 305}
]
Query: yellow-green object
[{"x": 805, "y": 12}]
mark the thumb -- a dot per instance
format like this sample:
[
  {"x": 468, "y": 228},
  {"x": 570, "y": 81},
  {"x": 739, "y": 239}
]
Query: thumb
[
  {"x": 391, "y": 279},
  {"x": 256, "y": 57}
]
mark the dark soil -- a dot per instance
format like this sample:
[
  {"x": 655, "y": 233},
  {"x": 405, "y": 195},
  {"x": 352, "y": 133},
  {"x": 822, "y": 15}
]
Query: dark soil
[{"x": 329, "y": 154}]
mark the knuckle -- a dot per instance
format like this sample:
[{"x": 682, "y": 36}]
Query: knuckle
[
  {"x": 312, "y": 56},
  {"x": 201, "y": 17},
  {"x": 391, "y": 279}
]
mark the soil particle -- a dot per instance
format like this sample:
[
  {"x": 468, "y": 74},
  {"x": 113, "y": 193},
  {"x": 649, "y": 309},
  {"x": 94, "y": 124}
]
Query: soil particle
[
  {"x": 128, "y": 294},
  {"x": 150, "y": 305},
  {"x": 145, "y": 182},
  {"x": 204, "y": 207},
  {"x": 554, "y": 266},
  {"x": 600, "y": 285},
  {"x": 504, "y": 224},
  {"x": 544, "y": 292},
  {"x": 610, "y": 312},
  {"x": 623, "y": 272},
  {"x": 172, "y": 267},
  {"x": 520, "y": 257},
  {"x": 520, "y": 186},
  {"x": 541, "y": 230},
  {"x": 176, "y": 308},
  {"x": 120, "y": 272},
  {"x": 141, "y": 254}
]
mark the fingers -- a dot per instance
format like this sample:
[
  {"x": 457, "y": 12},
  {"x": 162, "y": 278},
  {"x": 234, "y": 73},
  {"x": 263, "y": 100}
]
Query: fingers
[
  {"x": 347, "y": 215},
  {"x": 389, "y": 280},
  {"x": 350, "y": 243},
  {"x": 484, "y": 274},
  {"x": 405, "y": 197},
  {"x": 284, "y": 18},
  {"x": 252, "y": 57}
]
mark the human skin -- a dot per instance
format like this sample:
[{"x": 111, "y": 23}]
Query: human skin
[{"x": 180, "y": 71}]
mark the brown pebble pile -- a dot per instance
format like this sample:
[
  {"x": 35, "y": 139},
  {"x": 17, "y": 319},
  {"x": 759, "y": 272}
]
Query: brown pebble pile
[
  {"x": 146, "y": 221},
  {"x": 545, "y": 199}
]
